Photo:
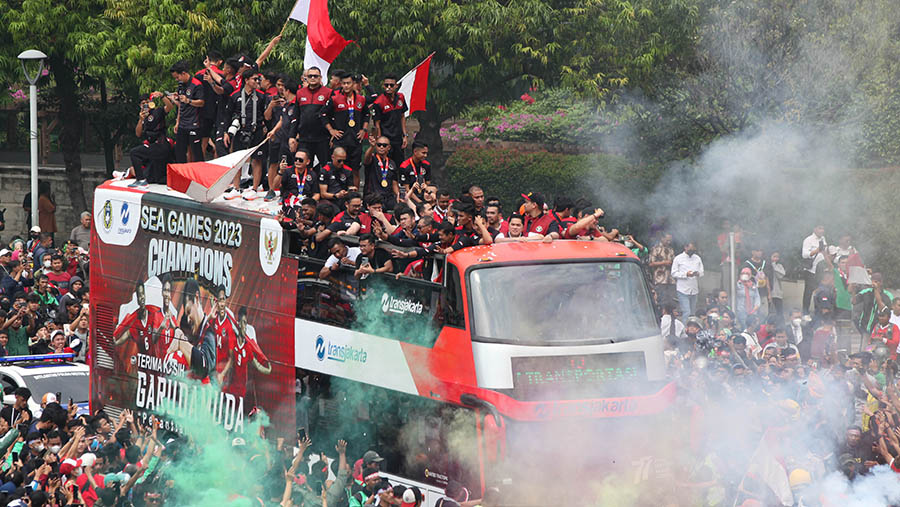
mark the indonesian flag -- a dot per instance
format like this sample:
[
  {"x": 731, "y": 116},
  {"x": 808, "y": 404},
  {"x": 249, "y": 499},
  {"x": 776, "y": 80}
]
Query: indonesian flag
[
  {"x": 766, "y": 475},
  {"x": 204, "y": 181},
  {"x": 856, "y": 271},
  {"x": 414, "y": 86},
  {"x": 323, "y": 43}
]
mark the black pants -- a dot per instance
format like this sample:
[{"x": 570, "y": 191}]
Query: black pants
[
  {"x": 149, "y": 161},
  {"x": 187, "y": 140},
  {"x": 810, "y": 284},
  {"x": 397, "y": 154},
  {"x": 317, "y": 150}
]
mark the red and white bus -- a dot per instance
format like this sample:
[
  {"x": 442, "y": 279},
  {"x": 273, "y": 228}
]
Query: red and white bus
[{"x": 526, "y": 357}]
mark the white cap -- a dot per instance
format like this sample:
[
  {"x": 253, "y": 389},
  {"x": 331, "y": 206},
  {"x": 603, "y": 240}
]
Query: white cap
[
  {"x": 49, "y": 398},
  {"x": 36, "y": 228},
  {"x": 5, "y": 251},
  {"x": 88, "y": 459},
  {"x": 409, "y": 496}
]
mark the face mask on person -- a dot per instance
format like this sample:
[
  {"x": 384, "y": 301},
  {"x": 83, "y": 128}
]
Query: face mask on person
[
  {"x": 745, "y": 278},
  {"x": 54, "y": 449},
  {"x": 690, "y": 252},
  {"x": 629, "y": 244},
  {"x": 39, "y": 447},
  {"x": 47, "y": 264}
]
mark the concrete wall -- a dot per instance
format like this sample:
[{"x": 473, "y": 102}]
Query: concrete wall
[{"x": 15, "y": 182}]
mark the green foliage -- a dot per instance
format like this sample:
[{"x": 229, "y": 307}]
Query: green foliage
[
  {"x": 507, "y": 173},
  {"x": 555, "y": 117}
]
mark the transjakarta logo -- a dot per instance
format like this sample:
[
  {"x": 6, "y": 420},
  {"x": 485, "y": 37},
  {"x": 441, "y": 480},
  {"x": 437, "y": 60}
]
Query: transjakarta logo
[
  {"x": 320, "y": 348},
  {"x": 391, "y": 304},
  {"x": 339, "y": 353}
]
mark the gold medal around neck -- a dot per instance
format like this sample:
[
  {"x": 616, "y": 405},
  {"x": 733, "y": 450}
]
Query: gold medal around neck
[
  {"x": 351, "y": 123},
  {"x": 384, "y": 183}
]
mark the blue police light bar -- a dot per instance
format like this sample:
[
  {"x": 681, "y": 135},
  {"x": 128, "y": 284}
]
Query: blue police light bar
[{"x": 37, "y": 357}]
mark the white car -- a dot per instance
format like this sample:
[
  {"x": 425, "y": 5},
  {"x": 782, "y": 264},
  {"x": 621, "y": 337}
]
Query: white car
[{"x": 51, "y": 373}]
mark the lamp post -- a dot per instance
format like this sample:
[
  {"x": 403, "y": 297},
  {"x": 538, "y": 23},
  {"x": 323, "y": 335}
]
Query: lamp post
[{"x": 26, "y": 56}]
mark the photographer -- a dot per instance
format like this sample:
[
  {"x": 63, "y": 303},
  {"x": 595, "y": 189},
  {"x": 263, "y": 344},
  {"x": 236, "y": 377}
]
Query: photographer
[
  {"x": 189, "y": 101},
  {"x": 149, "y": 158},
  {"x": 248, "y": 129}
]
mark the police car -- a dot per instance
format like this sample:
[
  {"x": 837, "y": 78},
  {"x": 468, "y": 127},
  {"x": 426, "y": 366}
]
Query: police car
[{"x": 46, "y": 373}]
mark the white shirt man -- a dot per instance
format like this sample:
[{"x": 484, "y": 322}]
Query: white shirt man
[
  {"x": 811, "y": 244},
  {"x": 687, "y": 268}
]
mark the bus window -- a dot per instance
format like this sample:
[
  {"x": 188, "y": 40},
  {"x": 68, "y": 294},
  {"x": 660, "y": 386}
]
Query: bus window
[
  {"x": 403, "y": 308},
  {"x": 452, "y": 299},
  {"x": 327, "y": 301},
  {"x": 566, "y": 302}
]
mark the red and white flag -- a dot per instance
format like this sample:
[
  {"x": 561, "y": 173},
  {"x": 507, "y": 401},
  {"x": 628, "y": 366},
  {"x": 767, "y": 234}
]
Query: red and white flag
[
  {"x": 204, "y": 181},
  {"x": 323, "y": 43},
  {"x": 856, "y": 271},
  {"x": 414, "y": 86}
]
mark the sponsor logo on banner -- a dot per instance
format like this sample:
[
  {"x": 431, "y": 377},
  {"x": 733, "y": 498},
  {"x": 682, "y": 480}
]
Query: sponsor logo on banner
[
  {"x": 116, "y": 213},
  {"x": 270, "y": 234},
  {"x": 124, "y": 218},
  {"x": 106, "y": 216},
  {"x": 400, "y": 305}
]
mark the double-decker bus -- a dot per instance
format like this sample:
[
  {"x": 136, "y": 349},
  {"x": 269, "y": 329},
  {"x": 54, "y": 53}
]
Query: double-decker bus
[{"x": 523, "y": 360}]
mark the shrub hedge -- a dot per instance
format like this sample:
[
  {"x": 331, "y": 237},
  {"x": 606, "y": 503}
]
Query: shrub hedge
[{"x": 507, "y": 173}]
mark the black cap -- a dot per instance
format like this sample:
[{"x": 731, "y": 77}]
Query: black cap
[
  {"x": 535, "y": 197},
  {"x": 371, "y": 457}
]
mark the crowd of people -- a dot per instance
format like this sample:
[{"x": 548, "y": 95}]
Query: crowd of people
[
  {"x": 44, "y": 294},
  {"x": 56, "y": 457},
  {"x": 736, "y": 352},
  {"x": 784, "y": 380}
]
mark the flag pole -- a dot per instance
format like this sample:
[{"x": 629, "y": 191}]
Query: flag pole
[{"x": 283, "y": 28}]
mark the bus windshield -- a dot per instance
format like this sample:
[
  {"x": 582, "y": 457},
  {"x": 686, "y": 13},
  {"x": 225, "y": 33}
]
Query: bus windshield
[{"x": 553, "y": 303}]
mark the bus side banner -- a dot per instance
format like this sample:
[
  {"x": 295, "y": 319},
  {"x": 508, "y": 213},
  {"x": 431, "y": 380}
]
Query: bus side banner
[{"x": 193, "y": 310}]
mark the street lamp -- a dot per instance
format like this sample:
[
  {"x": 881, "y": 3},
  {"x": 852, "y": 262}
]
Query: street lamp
[{"x": 26, "y": 56}]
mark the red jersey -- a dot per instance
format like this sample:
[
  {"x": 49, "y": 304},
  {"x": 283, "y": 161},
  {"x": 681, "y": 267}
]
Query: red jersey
[
  {"x": 139, "y": 330},
  {"x": 241, "y": 356},
  {"x": 225, "y": 331},
  {"x": 166, "y": 334},
  {"x": 543, "y": 225}
]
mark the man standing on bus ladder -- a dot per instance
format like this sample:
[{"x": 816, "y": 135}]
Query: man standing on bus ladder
[
  {"x": 687, "y": 268},
  {"x": 243, "y": 351},
  {"x": 195, "y": 338}
]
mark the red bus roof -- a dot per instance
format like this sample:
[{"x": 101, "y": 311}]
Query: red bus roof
[{"x": 537, "y": 250}]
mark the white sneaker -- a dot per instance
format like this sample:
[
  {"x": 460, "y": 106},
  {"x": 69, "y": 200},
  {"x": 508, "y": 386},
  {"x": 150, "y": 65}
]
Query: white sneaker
[
  {"x": 231, "y": 193},
  {"x": 249, "y": 194}
]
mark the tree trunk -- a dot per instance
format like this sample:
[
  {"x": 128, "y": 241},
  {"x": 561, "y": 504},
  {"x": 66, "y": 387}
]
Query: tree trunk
[
  {"x": 106, "y": 135},
  {"x": 429, "y": 133},
  {"x": 71, "y": 124},
  {"x": 12, "y": 129}
]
